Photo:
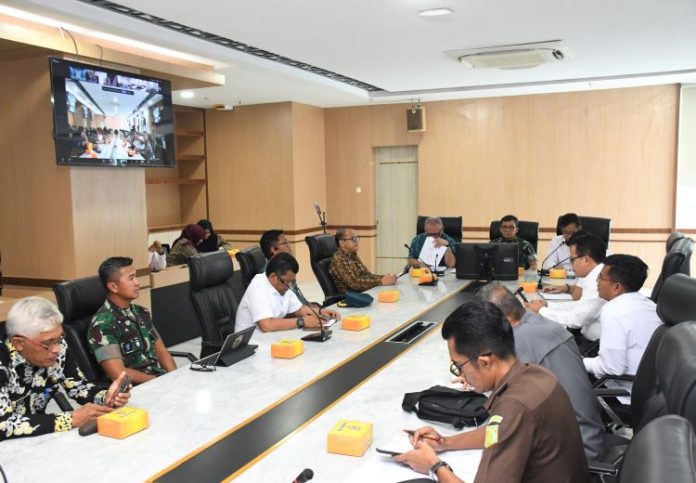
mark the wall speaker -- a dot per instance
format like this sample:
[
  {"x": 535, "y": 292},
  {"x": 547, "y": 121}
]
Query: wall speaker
[{"x": 415, "y": 119}]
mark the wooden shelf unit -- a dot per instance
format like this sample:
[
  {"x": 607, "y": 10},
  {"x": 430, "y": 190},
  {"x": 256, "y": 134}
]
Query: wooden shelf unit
[{"x": 179, "y": 196}]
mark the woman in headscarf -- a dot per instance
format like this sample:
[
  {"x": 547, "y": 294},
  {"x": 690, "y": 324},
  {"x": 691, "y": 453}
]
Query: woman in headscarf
[
  {"x": 186, "y": 245},
  {"x": 212, "y": 241}
]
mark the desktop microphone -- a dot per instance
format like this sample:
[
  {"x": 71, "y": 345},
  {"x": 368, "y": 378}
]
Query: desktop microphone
[
  {"x": 408, "y": 247},
  {"x": 317, "y": 208},
  {"x": 519, "y": 292},
  {"x": 305, "y": 476},
  {"x": 433, "y": 280},
  {"x": 542, "y": 270},
  {"x": 322, "y": 218},
  {"x": 324, "y": 334},
  {"x": 561, "y": 262}
]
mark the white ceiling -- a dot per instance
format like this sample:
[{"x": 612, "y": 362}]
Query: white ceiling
[{"x": 387, "y": 44}]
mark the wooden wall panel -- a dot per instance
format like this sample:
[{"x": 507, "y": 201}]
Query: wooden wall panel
[
  {"x": 309, "y": 164},
  {"x": 36, "y": 236},
  {"x": 110, "y": 216},
  {"x": 250, "y": 176}
]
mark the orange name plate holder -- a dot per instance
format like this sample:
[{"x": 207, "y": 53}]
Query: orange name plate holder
[
  {"x": 287, "y": 348},
  {"x": 355, "y": 322},
  {"x": 388, "y": 296},
  {"x": 350, "y": 438},
  {"x": 122, "y": 422}
]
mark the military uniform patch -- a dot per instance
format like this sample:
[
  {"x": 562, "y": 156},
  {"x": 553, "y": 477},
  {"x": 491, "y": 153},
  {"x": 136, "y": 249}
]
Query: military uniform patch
[{"x": 492, "y": 431}]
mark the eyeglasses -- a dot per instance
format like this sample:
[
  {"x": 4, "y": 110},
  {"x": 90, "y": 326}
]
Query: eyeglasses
[
  {"x": 456, "y": 369},
  {"x": 434, "y": 235},
  {"x": 356, "y": 239},
  {"x": 47, "y": 344},
  {"x": 507, "y": 227},
  {"x": 572, "y": 259}
]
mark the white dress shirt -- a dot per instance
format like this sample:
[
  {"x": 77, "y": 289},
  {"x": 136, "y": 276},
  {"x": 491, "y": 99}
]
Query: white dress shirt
[
  {"x": 583, "y": 313},
  {"x": 628, "y": 322},
  {"x": 262, "y": 301},
  {"x": 562, "y": 254},
  {"x": 156, "y": 262}
]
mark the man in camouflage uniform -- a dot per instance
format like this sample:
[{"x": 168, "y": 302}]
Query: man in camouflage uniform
[
  {"x": 509, "y": 226},
  {"x": 121, "y": 334}
]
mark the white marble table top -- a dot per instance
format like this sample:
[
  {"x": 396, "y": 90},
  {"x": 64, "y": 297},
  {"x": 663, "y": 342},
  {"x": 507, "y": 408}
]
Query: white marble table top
[{"x": 189, "y": 409}]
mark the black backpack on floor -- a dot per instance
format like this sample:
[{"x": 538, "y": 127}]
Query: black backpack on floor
[{"x": 447, "y": 405}]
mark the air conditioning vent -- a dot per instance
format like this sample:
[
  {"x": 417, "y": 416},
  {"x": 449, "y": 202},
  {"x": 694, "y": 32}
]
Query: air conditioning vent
[{"x": 517, "y": 56}]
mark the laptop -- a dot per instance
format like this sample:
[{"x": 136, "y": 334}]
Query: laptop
[{"x": 235, "y": 348}]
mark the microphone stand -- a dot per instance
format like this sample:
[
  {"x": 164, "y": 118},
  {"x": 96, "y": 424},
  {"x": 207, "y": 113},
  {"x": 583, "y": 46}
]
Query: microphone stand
[
  {"x": 324, "y": 334},
  {"x": 542, "y": 270},
  {"x": 322, "y": 217},
  {"x": 435, "y": 280},
  {"x": 549, "y": 270}
]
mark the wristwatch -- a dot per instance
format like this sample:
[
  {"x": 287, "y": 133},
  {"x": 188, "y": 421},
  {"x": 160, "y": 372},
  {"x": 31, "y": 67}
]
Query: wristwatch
[
  {"x": 300, "y": 322},
  {"x": 433, "y": 471}
]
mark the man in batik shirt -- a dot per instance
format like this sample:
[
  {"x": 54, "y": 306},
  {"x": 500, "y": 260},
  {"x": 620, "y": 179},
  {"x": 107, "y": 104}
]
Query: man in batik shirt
[{"x": 34, "y": 364}]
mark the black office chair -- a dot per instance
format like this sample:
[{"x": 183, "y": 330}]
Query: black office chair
[
  {"x": 528, "y": 230},
  {"x": 677, "y": 304},
  {"x": 452, "y": 225},
  {"x": 677, "y": 235},
  {"x": 321, "y": 249},
  {"x": 676, "y": 370},
  {"x": 252, "y": 261},
  {"x": 78, "y": 301},
  {"x": 663, "y": 451},
  {"x": 600, "y": 227},
  {"x": 677, "y": 260},
  {"x": 213, "y": 298}
]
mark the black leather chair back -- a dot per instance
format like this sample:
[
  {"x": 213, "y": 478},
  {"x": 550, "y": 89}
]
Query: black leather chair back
[
  {"x": 321, "y": 249},
  {"x": 677, "y": 304},
  {"x": 600, "y": 227},
  {"x": 529, "y": 230},
  {"x": 677, "y": 260},
  {"x": 78, "y": 301},
  {"x": 252, "y": 261},
  {"x": 663, "y": 451},
  {"x": 213, "y": 297},
  {"x": 676, "y": 370},
  {"x": 452, "y": 225},
  {"x": 677, "y": 235}
]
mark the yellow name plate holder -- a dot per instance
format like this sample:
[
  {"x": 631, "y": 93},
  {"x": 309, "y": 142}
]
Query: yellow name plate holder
[
  {"x": 355, "y": 322},
  {"x": 350, "y": 438},
  {"x": 287, "y": 348},
  {"x": 122, "y": 422},
  {"x": 388, "y": 296}
]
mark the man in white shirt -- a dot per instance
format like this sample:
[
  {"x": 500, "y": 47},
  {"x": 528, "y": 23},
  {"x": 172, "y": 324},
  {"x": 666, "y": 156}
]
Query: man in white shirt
[
  {"x": 270, "y": 302},
  {"x": 587, "y": 253},
  {"x": 628, "y": 319},
  {"x": 559, "y": 251}
]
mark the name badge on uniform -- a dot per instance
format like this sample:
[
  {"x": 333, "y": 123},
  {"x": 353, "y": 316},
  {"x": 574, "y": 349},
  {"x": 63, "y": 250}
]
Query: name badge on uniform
[
  {"x": 492, "y": 431},
  {"x": 127, "y": 347}
]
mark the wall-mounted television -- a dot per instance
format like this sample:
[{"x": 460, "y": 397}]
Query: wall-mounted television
[{"x": 106, "y": 117}]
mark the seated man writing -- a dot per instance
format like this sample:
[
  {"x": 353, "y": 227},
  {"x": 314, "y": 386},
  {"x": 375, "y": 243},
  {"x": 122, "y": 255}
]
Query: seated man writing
[
  {"x": 121, "y": 334},
  {"x": 434, "y": 246},
  {"x": 270, "y": 302},
  {"x": 33, "y": 365}
]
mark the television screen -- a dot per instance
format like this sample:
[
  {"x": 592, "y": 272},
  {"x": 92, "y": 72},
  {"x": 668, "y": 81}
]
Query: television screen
[
  {"x": 487, "y": 261},
  {"x": 103, "y": 117}
]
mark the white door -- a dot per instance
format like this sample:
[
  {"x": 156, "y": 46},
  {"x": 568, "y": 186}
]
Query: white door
[{"x": 397, "y": 204}]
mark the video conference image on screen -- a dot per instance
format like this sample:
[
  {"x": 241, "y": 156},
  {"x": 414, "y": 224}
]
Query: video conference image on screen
[{"x": 111, "y": 119}]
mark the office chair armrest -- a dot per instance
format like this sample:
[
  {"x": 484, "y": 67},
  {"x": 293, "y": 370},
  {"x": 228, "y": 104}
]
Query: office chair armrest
[
  {"x": 63, "y": 402},
  {"x": 187, "y": 355},
  {"x": 625, "y": 377},
  {"x": 611, "y": 392},
  {"x": 599, "y": 468}
]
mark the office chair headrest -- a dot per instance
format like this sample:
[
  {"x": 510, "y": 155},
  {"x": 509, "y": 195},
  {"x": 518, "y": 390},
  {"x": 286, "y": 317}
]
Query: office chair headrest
[
  {"x": 325, "y": 246},
  {"x": 676, "y": 369},
  {"x": 684, "y": 246},
  {"x": 80, "y": 298},
  {"x": 677, "y": 235},
  {"x": 677, "y": 300},
  {"x": 210, "y": 269}
]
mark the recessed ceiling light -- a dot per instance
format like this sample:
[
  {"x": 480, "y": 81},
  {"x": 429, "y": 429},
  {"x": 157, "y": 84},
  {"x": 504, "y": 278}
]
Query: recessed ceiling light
[
  {"x": 436, "y": 12},
  {"x": 187, "y": 94}
]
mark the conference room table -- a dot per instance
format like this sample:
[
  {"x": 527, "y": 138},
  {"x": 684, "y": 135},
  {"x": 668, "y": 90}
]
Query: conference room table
[{"x": 264, "y": 416}]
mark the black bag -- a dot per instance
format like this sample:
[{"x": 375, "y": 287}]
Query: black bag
[{"x": 447, "y": 405}]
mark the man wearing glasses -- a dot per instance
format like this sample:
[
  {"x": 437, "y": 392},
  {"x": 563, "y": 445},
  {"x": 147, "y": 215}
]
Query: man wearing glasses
[
  {"x": 435, "y": 235},
  {"x": 587, "y": 252},
  {"x": 531, "y": 432},
  {"x": 348, "y": 271},
  {"x": 33, "y": 365},
  {"x": 274, "y": 242},
  {"x": 559, "y": 253},
  {"x": 508, "y": 229},
  {"x": 271, "y": 303}
]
